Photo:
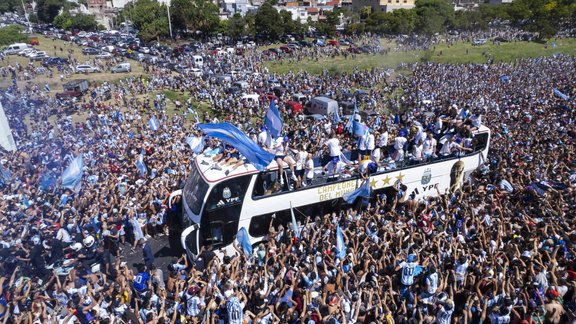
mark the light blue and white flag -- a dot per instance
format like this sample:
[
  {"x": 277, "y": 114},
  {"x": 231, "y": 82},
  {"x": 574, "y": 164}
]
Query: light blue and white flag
[
  {"x": 196, "y": 143},
  {"x": 560, "y": 94},
  {"x": 340, "y": 245},
  {"x": 273, "y": 120},
  {"x": 244, "y": 241},
  {"x": 153, "y": 124},
  {"x": 228, "y": 133},
  {"x": 47, "y": 87},
  {"x": 294, "y": 223},
  {"x": 140, "y": 165},
  {"x": 362, "y": 191},
  {"x": 72, "y": 176}
]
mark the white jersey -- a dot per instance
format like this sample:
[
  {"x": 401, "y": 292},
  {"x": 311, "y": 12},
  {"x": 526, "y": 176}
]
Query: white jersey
[
  {"x": 429, "y": 146},
  {"x": 334, "y": 147},
  {"x": 309, "y": 169},
  {"x": 235, "y": 312},
  {"x": 383, "y": 139},
  {"x": 432, "y": 283},
  {"x": 408, "y": 273},
  {"x": 399, "y": 142},
  {"x": 461, "y": 270},
  {"x": 444, "y": 316},
  {"x": 264, "y": 139}
]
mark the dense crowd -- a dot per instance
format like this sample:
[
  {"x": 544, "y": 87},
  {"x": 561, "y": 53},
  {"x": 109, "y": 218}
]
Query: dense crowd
[{"x": 498, "y": 249}]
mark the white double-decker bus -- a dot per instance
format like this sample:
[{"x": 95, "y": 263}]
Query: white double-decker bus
[{"x": 213, "y": 205}]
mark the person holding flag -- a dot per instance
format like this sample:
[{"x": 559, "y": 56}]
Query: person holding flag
[{"x": 410, "y": 270}]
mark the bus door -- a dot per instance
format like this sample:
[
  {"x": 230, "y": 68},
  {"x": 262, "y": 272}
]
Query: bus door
[
  {"x": 174, "y": 219},
  {"x": 221, "y": 214}
]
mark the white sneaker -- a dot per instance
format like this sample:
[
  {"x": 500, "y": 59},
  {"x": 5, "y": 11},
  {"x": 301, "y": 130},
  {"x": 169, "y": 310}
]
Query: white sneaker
[{"x": 294, "y": 178}]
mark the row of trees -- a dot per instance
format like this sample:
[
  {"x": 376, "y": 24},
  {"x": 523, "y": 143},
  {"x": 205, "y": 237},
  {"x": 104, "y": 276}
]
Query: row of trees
[
  {"x": 201, "y": 18},
  {"x": 545, "y": 17}
]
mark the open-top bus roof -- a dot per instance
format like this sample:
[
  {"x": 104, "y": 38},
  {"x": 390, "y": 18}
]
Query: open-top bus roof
[{"x": 213, "y": 173}]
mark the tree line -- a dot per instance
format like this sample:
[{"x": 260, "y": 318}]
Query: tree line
[{"x": 200, "y": 18}]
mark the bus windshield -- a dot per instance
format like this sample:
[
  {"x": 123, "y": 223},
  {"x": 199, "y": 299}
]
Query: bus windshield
[{"x": 195, "y": 191}]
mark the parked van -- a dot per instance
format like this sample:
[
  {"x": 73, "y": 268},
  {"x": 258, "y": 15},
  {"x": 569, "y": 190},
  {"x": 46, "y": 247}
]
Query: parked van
[
  {"x": 240, "y": 84},
  {"x": 321, "y": 105},
  {"x": 122, "y": 67},
  {"x": 224, "y": 78},
  {"x": 253, "y": 98},
  {"x": 197, "y": 61},
  {"x": 16, "y": 48}
]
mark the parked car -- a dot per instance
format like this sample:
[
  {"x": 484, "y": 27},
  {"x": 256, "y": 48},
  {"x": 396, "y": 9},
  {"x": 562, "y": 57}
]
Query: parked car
[
  {"x": 38, "y": 56},
  {"x": 122, "y": 67},
  {"x": 73, "y": 89},
  {"x": 480, "y": 41},
  {"x": 52, "y": 61},
  {"x": 103, "y": 55},
  {"x": 293, "y": 107},
  {"x": 90, "y": 51},
  {"x": 86, "y": 68}
]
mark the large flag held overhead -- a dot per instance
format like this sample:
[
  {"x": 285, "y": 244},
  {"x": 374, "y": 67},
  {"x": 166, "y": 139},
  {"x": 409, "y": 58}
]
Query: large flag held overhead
[
  {"x": 140, "y": 165},
  {"x": 196, "y": 143},
  {"x": 6, "y": 138},
  {"x": 340, "y": 245},
  {"x": 72, "y": 176},
  {"x": 362, "y": 191},
  {"x": 359, "y": 128},
  {"x": 350, "y": 124},
  {"x": 273, "y": 120},
  {"x": 244, "y": 241},
  {"x": 561, "y": 94},
  {"x": 228, "y": 133},
  {"x": 294, "y": 223},
  {"x": 153, "y": 124}
]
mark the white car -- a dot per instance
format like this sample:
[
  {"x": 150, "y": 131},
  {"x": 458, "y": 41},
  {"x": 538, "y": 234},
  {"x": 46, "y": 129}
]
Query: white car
[
  {"x": 26, "y": 52},
  {"x": 86, "y": 68},
  {"x": 103, "y": 55}
]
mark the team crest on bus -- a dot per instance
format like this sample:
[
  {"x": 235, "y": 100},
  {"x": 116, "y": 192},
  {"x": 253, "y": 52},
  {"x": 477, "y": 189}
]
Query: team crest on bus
[
  {"x": 426, "y": 176},
  {"x": 226, "y": 193}
]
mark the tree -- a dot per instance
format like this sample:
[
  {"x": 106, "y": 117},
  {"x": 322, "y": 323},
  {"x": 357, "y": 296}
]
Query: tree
[
  {"x": 49, "y": 9},
  {"x": 236, "y": 27},
  {"x": 403, "y": 21},
  {"x": 194, "y": 15},
  {"x": 10, "y": 6},
  {"x": 79, "y": 21},
  {"x": 267, "y": 22},
  {"x": 149, "y": 17},
  {"x": 433, "y": 16},
  {"x": 12, "y": 34}
]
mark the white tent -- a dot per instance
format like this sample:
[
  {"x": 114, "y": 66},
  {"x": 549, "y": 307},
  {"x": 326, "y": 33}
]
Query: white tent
[{"x": 6, "y": 138}]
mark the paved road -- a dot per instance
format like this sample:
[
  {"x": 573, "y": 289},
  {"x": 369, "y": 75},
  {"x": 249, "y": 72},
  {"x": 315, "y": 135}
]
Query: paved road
[{"x": 163, "y": 254}]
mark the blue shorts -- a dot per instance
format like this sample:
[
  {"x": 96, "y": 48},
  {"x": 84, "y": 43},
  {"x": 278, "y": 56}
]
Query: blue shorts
[
  {"x": 281, "y": 157},
  {"x": 335, "y": 159}
]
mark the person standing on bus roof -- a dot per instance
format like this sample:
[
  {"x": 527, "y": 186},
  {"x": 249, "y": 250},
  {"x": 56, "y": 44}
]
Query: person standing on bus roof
[
  {"x": 280, "y": 151},
  {"x": 334, "y": 148}
]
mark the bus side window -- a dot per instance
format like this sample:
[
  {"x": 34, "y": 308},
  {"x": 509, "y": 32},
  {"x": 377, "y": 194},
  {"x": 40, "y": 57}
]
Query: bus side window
[
  {"x": 264, "y": 183},
  {"x": 259, "y": 225},
  {"x": 481, "y": 142}
]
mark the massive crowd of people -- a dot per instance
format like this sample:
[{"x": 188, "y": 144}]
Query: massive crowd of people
[{"x": 498, "y": 249}]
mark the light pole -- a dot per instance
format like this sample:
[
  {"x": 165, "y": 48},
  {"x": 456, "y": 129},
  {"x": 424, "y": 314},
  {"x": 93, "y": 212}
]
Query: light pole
[{"x": 169, "y": 19}]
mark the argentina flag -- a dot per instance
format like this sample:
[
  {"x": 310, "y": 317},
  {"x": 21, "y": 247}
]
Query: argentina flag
[
  {"x": 47, "y": 87},
  {"x": 273, "y": 120},
  {"x": 340, "y": 244},
  {"x": 140, "y": 165},
  {"x": 72, "y": 176},
  {"x": 362, "y": 191},
  {"x": 153, "y": 124},
  {"x": 228, "y": 133},
  {"x": 244, "y": 240}
]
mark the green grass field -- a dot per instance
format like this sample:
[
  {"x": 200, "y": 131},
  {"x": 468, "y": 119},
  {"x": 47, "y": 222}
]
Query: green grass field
[{"x": 455, "y": 54}]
